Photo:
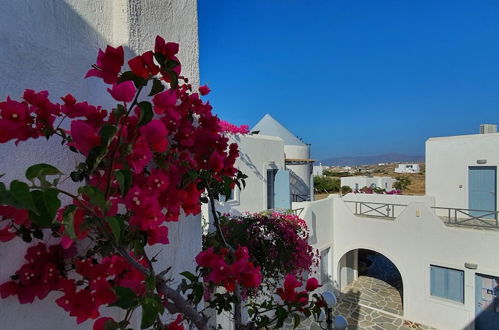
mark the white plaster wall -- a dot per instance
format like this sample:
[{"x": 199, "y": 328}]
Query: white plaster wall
[
  {"x": 51, "y": 45},
  {"x": 413, "y": 241},
  {"x": 257, "y": 153},
  {"x": 366, "y": 181},
  {"x": 447, "y": 163},
  {"x": 302, "y": 171}
]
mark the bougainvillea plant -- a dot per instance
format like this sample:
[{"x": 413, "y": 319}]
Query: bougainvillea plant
[
  {"x": 144, "y": 163},
  {"x": 277, "y": 243}
]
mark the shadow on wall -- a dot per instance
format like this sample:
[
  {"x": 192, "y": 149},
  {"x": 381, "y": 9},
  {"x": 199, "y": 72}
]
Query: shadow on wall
[
  {"x": 247, "y": 160},
  {"x": 312, "y": 239},
  {"x": 298, "y": 187}
]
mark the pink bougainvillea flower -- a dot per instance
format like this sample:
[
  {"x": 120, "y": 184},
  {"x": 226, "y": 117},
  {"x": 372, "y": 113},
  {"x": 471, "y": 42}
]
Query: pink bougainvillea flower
[
  {"x": 207, "y": 258},
  {"x": 84, "y": 136},
  {"x": 312, "y": 284},
  {"x": 141, "y": 156},
  {"x": 158, "y": 235},
  {"x": 9, "y": 288},
  {"x": 66, "y": 242},
  {"x": 123, "y": 92},
  {"x": 227, "y": 127},
  {"x": 19, "y": 216},
  {"x": 204, "y": 90},
  {"x": 164, "y": 101},
  {"x": 165, "y": 48},
  {"x": 168, "y": 50},
  {"x": 216, "y": 161},
  {"x": 108, "y": 64},
  {"x": 143, "y": 65},
  {"x": 176, "y": 325},
  {"x": 7, "y": 233},
  {"x": 156, "y": 134}
]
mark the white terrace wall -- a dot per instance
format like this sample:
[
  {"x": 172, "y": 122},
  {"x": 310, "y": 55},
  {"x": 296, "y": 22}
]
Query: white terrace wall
[
  {"x": 448, "y": 160},
  {"x": 413, "y": 241},
  {"x": 49, "y": 45}
]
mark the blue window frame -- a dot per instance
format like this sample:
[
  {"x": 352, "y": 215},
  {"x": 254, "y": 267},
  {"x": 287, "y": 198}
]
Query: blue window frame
[{"x": 447, "y": 283}]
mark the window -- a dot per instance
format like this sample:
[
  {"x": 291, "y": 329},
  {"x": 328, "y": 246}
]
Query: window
[
  {"x": 447, "y": 283},
  {"x": 233, "y": 196},
  {"x": 270, "y": 188},
  {"x": 324, "y": 266}
]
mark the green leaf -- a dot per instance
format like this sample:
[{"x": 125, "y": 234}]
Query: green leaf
[
  {"x": 190, "y": 276},
  {"x": 116, "y": 225},
  {"x": 150, "y": 283},
  {"x": 95, "y": 195},
  {"x": 129, "y": 75},
  {"x": 94, "y": 158},
  {"x": 68, "y": 221},
  {"x": 146, "y": 113},
  {"x": 161, "y": 59},
  {"x": 124, "y": 178},
  {"x": 119, "y": 112},
  {"x": 297, "y": 321},
  {"x": 157, "y": 87},
  {"x": 107, "y": 132},
  {"x": 150, "y": 312},
  {"x": 173, "y": 79},
  {"x": 21, "y": 196},
  {"x": 47, "y": 203},
  {"x": 112, "y": 325},
  {"x": 126, "y": 298},
  {"x": 40, "y": 171}
]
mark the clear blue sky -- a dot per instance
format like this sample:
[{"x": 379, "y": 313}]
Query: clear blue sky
[{"x": 354, "y": 77}]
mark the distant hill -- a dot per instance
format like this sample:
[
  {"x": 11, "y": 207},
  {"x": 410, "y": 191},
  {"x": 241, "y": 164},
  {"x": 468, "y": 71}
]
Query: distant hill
[{"x": 369, "y": 160}]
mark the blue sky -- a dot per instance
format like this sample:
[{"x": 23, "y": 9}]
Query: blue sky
[{"x": 354, "y": 77}]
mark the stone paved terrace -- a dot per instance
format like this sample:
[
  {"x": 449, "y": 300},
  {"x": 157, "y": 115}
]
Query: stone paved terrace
[{"x": 369, "y": 304}]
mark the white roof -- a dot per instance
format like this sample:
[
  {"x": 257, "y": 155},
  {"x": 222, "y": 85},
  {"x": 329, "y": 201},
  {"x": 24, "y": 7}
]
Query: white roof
[{"x": 269, "y": 126}]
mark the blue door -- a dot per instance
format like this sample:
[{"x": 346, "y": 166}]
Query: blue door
[
  {"x": 282, "y": 195},
  {"x": 482, "y": 189},
  {"x": 486, "y": 302}
]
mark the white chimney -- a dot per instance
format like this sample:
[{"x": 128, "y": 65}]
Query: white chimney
[{"x": 488, "y": 128}]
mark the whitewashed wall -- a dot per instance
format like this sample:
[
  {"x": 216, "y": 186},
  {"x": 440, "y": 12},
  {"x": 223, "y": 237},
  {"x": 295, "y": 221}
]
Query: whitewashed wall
[
  {"x": 413, "y": 241},
  {"x": 301, "y": 181},
  {"x": 383, "y": 182},
  {"x": 49, "y": 45},
  {"x": 447, "y": 163},
  {"x": 257, "y": 153}
]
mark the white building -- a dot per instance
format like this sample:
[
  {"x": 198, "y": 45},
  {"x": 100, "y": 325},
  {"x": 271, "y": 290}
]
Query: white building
[
  {"x": 407, "y": 168},
  {"x": 461, "y": 171},
  {"x": 317, "y": 170},
  {"x": 359, "y": 182},
  {"x": 445, "y": 253},
  {"x": 297, "y": 157},
  {"x": 50, "y": 45},
  {"x": 261, "y": 158}
]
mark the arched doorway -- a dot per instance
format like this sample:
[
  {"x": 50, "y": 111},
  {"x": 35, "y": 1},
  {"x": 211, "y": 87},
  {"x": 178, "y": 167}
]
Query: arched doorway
[{"x": 370, "y": 278}]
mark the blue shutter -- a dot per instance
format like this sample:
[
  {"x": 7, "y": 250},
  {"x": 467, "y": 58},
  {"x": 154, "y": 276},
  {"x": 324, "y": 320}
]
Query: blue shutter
[
  {"x": 447, "y": 283},
  {"x": 438, "y": 281},
  {"x": 455, "y": 285},
  {"x": 482, "y": 189},
  {"x": 282, "y": 195}
]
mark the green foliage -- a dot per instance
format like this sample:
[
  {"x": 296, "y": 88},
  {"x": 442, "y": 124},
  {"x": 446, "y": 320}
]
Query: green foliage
[
  {"x": 345, "y": 190},
  {"x": 326, "y": 184},
  {"x": 336, "y": 174},
  {"x": 402, "y": 183}
]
